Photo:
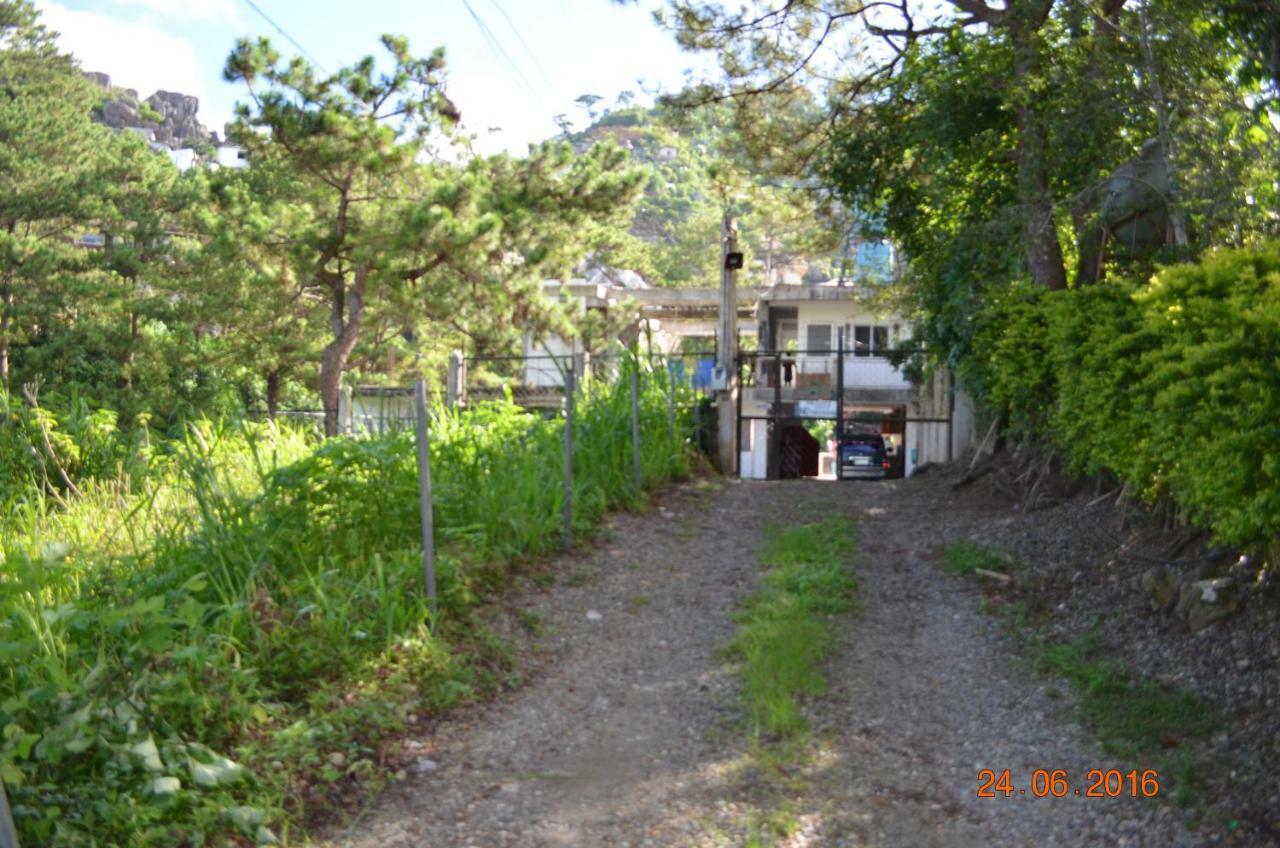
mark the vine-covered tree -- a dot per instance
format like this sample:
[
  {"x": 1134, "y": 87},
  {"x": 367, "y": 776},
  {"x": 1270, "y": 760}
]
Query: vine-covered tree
[{"x": 1086, "y": 136}]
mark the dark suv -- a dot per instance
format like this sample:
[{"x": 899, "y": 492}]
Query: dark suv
[{"x": 862, "y": 456}]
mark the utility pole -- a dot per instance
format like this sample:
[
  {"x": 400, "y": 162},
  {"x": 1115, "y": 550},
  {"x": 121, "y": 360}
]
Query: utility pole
[{"x": 727, "y": 351}]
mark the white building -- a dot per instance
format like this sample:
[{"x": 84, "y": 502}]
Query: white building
[
  {"x": 231, "y": 156},
  {"x": 796, "y": 377},
  {"x": 184, "y": 158}
]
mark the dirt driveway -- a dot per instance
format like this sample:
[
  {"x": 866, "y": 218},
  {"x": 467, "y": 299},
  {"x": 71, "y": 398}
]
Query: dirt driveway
[{"x": 628, "y": 732}]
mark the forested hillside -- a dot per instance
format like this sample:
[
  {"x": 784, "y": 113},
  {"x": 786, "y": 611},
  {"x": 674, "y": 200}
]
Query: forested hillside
[{"x": 698, "y": 166}]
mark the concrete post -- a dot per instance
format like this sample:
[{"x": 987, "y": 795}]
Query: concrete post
[
  {"x": 424, "y": 493},
  {"x": 456, "y": 385},
  {"x": 346, "y": 415},
  {"x": 727, "y": 352}
]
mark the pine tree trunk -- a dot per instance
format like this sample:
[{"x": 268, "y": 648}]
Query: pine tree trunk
[
  {"x": 273, "y": 393},
  {"x": 346, "y": 310}
]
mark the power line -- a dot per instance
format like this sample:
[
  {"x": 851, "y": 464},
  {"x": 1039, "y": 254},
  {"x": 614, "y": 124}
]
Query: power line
[
  {"x": 528, "y": 51},
  {"x": 254, "y": 6},
  {"x": 497, "y": 48}
]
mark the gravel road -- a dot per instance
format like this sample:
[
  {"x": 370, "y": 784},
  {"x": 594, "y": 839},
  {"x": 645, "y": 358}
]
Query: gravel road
[{"x": 626, "y": 733}]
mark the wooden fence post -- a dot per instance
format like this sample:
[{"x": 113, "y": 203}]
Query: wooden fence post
[
  {"x": 569, "y": 387},
  {"x": 424, "y": 493}
]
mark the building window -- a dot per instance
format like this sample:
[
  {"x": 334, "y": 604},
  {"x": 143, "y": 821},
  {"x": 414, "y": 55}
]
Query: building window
[
  {"x": 880, "y": 339},
  {"x": 861, "y": 340},
  {"x": 819, "y": 339}
]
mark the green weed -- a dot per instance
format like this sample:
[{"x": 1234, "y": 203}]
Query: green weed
[
  {"x": 966, "y": 557},
  {"x": 785, "y": 630},
  {"x": 1132, "y": 717},
  {"x": 212, "y": 645}
]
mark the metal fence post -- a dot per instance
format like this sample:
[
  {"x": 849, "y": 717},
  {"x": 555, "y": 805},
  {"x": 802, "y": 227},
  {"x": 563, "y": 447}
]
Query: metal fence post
[
  {"x": 8, "y": 833},
  {"x": 671, "y": 404},
  {"x": 424, "y": 493},
  {"x": 635, "y": 422},
  {"x": 569, "y": 389}
]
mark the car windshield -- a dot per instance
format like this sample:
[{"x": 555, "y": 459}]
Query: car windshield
[{"x": 860, "y": 448}]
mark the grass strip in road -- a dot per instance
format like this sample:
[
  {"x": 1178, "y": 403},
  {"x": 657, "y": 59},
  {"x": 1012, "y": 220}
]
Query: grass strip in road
[
  {"x": 787, "y": 630},
  {"x": 786, "y": 626}
]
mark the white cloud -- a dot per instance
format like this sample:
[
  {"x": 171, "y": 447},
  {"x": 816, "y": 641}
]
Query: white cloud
[{"x": 135, "y": 54}]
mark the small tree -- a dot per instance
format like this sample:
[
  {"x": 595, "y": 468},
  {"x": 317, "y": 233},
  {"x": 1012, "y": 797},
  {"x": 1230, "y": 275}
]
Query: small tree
[{"x": 353, "y": 142}]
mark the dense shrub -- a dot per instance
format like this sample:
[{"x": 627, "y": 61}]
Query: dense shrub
[
  {"x": 1172, "y": 386},
  {"x": 220, "y": 646}
]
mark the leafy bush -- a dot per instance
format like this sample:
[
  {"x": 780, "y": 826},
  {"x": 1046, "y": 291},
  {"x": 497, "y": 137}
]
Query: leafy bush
[
  {"x": 62, "y": 435},
  {"x": 220, "y": 646},
  {"x": 1170, "y": 386}
]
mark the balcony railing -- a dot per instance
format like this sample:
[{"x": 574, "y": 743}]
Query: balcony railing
[{"x": 816, "y": 373}]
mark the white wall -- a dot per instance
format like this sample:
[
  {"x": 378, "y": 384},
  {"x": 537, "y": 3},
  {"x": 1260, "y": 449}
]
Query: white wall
[
  {"x": 754, "y": 464},
  {"x": 230, "y": 156},
  {"x": 545, "y": 373},
  {"x": 926, "y": 441}
]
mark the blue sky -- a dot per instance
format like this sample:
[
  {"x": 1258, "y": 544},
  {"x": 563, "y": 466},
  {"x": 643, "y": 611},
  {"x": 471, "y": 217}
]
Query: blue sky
[{"x": 570, "y": 47}]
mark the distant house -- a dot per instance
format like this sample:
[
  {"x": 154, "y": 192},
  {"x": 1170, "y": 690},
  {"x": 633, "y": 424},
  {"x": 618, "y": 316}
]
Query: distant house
[
  {"x": 148, "y": 135},
  {"x": 183, "y": 158},
  {"x": 231, "y": 156},
  {"x": 666, "y": 320},
  {"x": 797, "y": 377}
]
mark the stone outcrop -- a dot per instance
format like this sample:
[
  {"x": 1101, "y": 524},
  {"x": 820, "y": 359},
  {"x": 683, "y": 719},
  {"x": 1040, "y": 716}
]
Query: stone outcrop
[{"x": 172, "y": 116}]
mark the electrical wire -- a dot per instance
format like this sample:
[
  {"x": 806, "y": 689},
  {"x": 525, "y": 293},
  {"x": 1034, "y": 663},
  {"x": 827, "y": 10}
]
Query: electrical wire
[
  {"x": 498, "y": 51},
  {"x": 254, "y": 6},
  {"x": 528, "y": 50}
]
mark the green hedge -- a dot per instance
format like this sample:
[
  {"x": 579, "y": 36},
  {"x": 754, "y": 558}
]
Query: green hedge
[{"x": 1173, "y": 386}]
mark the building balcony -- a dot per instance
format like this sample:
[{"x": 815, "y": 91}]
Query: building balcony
[{"x": 815, "y": 375}]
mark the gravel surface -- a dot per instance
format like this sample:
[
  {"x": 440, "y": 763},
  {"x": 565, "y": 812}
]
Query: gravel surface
[
  {"x": 627, "y": 732},
  {"x": 1083, "y": 564}
]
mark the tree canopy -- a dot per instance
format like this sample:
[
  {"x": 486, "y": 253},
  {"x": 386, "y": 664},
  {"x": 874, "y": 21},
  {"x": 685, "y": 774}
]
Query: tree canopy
[{"x": 1054, "y": 140}]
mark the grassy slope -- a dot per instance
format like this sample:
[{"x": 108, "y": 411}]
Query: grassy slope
[{"x": 220, "y": 649}]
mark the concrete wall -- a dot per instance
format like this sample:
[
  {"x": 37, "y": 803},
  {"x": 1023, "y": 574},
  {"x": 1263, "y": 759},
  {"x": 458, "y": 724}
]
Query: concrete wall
[
  {"x": 754, "y": 463},
  {"x": 545, "y": 372}
]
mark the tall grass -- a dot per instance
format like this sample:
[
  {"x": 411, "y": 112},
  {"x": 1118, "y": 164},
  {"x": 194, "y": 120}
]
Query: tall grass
[{"x": 216, "y": 647}]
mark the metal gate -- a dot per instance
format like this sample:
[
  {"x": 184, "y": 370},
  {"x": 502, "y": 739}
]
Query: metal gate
[{"x": 854, "y": 390}]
